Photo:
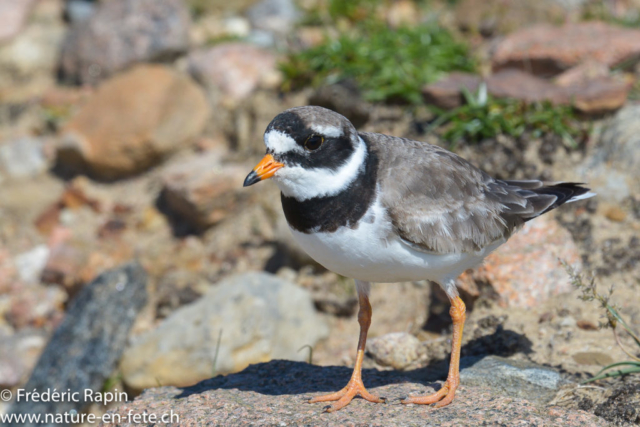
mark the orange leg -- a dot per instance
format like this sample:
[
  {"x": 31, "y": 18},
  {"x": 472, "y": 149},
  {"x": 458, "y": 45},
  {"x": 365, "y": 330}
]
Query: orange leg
[
  {"x": 445, "y": 395},
  {"x": 355, "y": 387}
]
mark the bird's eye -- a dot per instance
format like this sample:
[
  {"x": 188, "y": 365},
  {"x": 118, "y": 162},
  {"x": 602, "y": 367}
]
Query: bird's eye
[{"x": 313, "y": 142}]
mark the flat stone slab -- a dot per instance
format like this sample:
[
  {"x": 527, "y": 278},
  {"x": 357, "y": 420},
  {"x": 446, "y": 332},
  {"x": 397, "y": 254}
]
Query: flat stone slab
[{"x": 275, "y": 393}]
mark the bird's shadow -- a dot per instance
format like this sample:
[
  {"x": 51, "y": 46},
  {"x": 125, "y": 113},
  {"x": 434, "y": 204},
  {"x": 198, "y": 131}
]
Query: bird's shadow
[{"x": 284, "y": 377}]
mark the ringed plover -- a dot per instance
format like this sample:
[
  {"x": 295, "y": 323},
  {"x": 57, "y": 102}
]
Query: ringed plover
[{"x": 378, "y": 208}]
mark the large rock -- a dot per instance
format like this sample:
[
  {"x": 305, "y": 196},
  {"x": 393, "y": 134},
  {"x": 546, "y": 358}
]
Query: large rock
[
  {"x": 124, "y": 32},
  {"x": 13, "y": 14},
  {"x": 274, "y": 393},
  {"x": 448, "y": 92},
  {"x": 520, "y": 85},
  {"x": 595, "y": 95},
  {"x": 255, "y": 317},
  {"x": 516, "y": 378},
  {"x": 589, "y": 94},
  {"x": 546, "y": 50},
  {"x": 398, "y": 350},
  {"x": 599, "y": 95},
  {"x": 525, "y": 271},
  {"x": 203, "y": 190},
  {"x": 232, "y": 71},
  {"x": 84, "y": 350},
  {"x": 132, "y": 122},
  {"x": 612, "y": 167}
]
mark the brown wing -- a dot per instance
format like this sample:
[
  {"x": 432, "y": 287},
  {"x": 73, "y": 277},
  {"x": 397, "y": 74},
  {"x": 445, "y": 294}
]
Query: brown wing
[{"x": 441, "y": 203}]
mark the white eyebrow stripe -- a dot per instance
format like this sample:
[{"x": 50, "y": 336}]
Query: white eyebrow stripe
[
  {"x": 279, "y": 142},
  {"x": 330, "y": 131}
]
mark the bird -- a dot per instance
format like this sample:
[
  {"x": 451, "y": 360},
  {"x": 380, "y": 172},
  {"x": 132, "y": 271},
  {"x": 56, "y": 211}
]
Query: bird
[{"x": 380, "y": 208}]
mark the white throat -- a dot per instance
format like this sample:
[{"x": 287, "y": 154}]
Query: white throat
[{"x": 303, "y": 184}]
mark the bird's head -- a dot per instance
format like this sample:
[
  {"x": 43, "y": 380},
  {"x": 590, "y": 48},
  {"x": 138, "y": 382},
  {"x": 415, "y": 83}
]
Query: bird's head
[{"x": 311, "y": 152}]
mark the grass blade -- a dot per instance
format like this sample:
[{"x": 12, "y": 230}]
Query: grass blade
[{"x": 617, "y": 373}]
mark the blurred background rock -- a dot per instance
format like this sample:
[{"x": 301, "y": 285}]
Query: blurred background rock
[{"x": 127, "y": 127}]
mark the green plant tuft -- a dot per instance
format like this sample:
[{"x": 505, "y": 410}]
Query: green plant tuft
[
  {"x": 484, "y": 117},
  {"x": 354, "y": 10},
  {"x": 387, "y": 64},
  {"x": 589, "y": 292}
]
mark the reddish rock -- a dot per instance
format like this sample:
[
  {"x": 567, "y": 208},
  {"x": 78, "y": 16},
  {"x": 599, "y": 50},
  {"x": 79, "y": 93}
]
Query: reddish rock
[
  {"x": 232, "y": 71},
  {"x": 121, "y": 33},
  {"x": 582, "y": 73},
  {"x": 447, "y": 93},
  {"x": 132, "y": 122},
  {"x": 525, "y": 271},
  {"x": 545, "y": 50},
  {"x": 517, "y": 84},
  {"x": 204, "y": 189},
  {"x": 588, "y": 95},
  {"x": 74, "y": 262},
  {"x": 599, "y": 95},
  {"x": 13, "y": 14},
  {"x": 63, "y": 267}
]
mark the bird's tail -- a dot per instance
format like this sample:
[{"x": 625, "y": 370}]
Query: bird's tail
[{"x": 564, "y": 192}]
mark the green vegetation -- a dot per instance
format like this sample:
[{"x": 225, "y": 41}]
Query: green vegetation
[
  {"x": 310, "y": 359},
  {"x": 587, "y": 287},
  {"x": 485, "y": 117},
  {"x": 387, "y": 64},
  {"x": 198, "y": 8},
  {"x": 393, "y": 65},
  {"x": 600, "y": 11},
  {"x": 354, "y": 10}
]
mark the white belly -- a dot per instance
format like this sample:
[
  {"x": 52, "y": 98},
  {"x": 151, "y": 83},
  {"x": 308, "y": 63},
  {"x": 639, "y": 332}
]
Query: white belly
[{"x": 371, "y": 253}]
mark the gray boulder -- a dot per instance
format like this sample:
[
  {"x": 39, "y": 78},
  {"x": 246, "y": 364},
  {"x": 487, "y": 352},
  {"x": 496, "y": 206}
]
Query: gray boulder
[
  {"x": 86, "y": 347},
  {"x": 248, "y": 318},
  {"x": 612, "y": 168},
  {"x": 513, "y": 377}
]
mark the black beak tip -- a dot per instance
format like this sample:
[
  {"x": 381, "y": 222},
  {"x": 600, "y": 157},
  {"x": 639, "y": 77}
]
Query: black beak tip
[{"x": 251, "y": 179}]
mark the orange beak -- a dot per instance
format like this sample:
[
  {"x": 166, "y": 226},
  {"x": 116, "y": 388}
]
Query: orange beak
[{"x": 263, "y": 170}]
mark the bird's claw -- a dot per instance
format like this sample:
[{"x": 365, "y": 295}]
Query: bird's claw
[{"x": 343, "y": 397}]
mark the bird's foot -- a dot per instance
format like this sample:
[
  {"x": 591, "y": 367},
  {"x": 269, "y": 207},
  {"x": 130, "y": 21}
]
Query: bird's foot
[
  {"x": 441, "y": 398},
  {"x": 346, "y": 395}
]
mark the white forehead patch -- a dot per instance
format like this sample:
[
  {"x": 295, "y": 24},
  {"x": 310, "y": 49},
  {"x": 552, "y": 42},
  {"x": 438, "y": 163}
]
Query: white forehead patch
[
  {"x": 330, "y": 131},
  {"x": 307, "y": 183},
  {"x": 280, "y": 142}
]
